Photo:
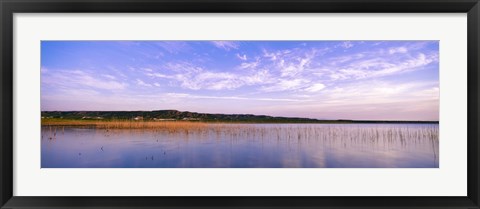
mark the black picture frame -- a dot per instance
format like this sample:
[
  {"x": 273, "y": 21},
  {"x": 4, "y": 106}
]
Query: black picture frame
[{"x": 9, "y": 7}]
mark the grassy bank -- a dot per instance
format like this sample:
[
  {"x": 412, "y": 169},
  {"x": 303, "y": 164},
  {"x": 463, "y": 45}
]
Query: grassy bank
[{"x": 124, "y": 124}]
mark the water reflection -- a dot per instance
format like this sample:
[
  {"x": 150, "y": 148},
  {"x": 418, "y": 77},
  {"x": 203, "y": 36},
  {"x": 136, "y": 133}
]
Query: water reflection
[{"x": 244, "y": 146}]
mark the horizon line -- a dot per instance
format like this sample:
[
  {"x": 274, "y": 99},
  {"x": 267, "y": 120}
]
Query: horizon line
[{"x": 321, "y": 119}]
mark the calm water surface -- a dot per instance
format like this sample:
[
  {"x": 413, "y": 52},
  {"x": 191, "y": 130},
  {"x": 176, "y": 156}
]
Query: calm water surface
[{"x": 244, "y": 146}]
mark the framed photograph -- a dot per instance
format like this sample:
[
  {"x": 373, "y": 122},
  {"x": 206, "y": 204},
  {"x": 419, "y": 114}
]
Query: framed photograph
[{"x": 238, "y": 104}]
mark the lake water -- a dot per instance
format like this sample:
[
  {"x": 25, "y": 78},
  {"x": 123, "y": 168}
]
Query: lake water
[{"x": 244, "y": 146}]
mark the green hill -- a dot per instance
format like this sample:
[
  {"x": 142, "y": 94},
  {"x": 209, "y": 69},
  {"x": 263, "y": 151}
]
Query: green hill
[{"x": 161, "y": 115}]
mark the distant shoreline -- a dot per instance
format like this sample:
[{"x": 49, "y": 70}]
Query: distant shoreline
[
  {"x": 175, "y": 115},
  {"x": 89, "y": 117}
]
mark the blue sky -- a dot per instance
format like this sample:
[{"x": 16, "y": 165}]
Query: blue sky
[{"x": 371, "y": 80}]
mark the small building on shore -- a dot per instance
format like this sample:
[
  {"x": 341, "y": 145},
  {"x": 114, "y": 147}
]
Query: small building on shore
[
  {"x": 164, "y": 119},
  {"x": 191, "y": 119}
]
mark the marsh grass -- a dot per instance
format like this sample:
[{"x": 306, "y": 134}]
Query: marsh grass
[
  {"x": 126, "y": 124},
  {"x": 335, "y": 133}
]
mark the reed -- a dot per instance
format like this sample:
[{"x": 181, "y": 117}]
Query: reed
[
  {"x": 127, "y": 124},
  {"x": 334, "y": 133}
]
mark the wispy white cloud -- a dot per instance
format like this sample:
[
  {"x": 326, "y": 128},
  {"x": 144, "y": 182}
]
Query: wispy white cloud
[
  {"x": 158, "y": 75},
  {"x": 173, "y": 47},
  {"x": 142, "y": 83},
  {"x": 183, "y": 67},
  {"x": 290, "y": 63},
  {"x": 275, "y": 54},
  {"x": 380, "y": 66},
  {"x": 293, "y": 69},
  {"x": 283, "y": 85},
  {"x": 211, "y": 81},
  {"x": 81, "y": 79},
  {"x": 190, "y": 96},
  {"x": 346, "y": 44},
  {"x": 258, "y": 77},
  {"x": 315, "y": 87},
  {"x": 191, "y": 76},
  {"x": 226, "y": 45},
  {"x": 249, "y": 65},
  {"x": 109, "y": 76},
  {"x": 242, "y": 57},
  {"x": 377, "y": 91},
  {"x": 397, "y": 50}
]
